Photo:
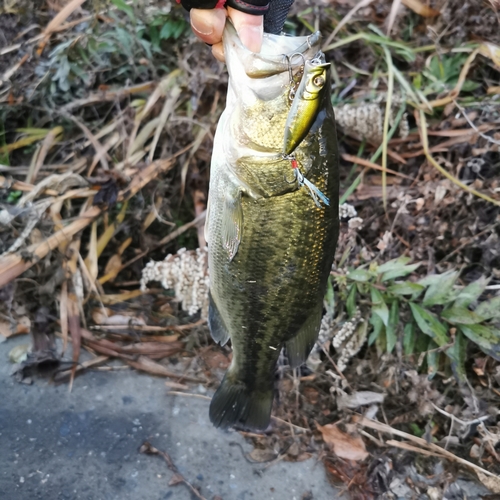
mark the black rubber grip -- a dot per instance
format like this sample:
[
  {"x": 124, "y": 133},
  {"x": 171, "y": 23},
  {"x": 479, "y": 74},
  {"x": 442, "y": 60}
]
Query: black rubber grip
[
  {"x": 199, "y": 4},
  {"x": 275, "y": 18},
  {"x": 256, "y": 7}
]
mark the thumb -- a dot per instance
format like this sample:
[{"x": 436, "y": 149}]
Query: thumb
[{"x": 249, "y": 28}]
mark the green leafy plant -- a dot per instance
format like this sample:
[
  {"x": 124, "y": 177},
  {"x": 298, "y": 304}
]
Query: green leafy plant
[
  {"x": 431, "y": 319},
  {"x": 443, "y": 72},
  {"x": 132, "y": 46}
]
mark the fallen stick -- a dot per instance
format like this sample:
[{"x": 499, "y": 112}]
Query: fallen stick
[
  {"x": 425, "y": 447},
  {"x": 148, "y": 449}
]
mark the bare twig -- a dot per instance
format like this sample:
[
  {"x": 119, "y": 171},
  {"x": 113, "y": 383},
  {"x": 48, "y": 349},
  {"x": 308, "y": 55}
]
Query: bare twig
[
  {"x": 56, "y": 22},
  {"x": 99, "y": 149},
  {"x": 465, "y": 423},
  {"x": 469, "y": 241},
  {"x": 11, "y": 266},
  {"x": 148, "y": 449},
  {"x": 189, "y": 395},
  {"x": 424, "y": 447},
  {"x": 392, "y": 16},
  {"x": 281, "y": 421},
  {"x": 422, "y": 127},
  {"x": 149, "y": 328},
  {"x": 374, "y": 166},
  {"x": 171, "y": 237},
  {"x": 345, "y": 20},
  {"x": 469, "y": 121}
]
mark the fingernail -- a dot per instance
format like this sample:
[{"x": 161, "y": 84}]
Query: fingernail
[
  {"x": 218, "y": 52},
  {"x": 251, "y": 37},
  {"x": 199, "y": 23}
]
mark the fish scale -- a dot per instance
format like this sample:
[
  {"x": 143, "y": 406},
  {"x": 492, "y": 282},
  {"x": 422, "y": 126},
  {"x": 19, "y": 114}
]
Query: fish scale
[
  {"x": 267, "y": 126},
  {"x": 271, "y": 246}
]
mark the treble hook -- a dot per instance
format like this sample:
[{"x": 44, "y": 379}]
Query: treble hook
[
  {"x": 294, "y": 168},
  {"x": 308, "y": 41},
  {"x": 290, "y": 58},
  {"x": 301, "y": 180}
]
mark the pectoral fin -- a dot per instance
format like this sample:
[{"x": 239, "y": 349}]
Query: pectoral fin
[
  {"x": 216, "y": 324},
  {"x": 207, "y": 219},
  {"x": 232, "y": 223},
  {"x": 299, "y": 347}
]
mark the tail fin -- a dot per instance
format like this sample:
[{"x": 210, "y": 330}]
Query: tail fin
[{"x": 234, "y": 404}]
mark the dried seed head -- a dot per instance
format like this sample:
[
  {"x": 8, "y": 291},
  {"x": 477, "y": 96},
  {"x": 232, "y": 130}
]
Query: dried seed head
[
  {"x": 347, "y": 211},
  {"x": 366, "y": 121},
  {"x": 187, "y": 274}
]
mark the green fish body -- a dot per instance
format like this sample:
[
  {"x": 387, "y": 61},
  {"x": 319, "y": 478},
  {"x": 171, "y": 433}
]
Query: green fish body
[{"x": 271, "y": 229}]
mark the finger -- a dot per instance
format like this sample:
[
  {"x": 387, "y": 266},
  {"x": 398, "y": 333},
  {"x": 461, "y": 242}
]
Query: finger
[
  {"x": 208, "y": 25},
  {"x": 249, "y": 27},
  {"x": 218, "y": 52}
]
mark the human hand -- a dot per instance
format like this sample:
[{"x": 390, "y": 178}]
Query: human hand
[{"x": 208, "y": 25}]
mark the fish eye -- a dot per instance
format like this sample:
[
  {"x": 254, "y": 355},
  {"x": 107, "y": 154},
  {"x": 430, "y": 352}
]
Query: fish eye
[{"x": 319, "y": 81}]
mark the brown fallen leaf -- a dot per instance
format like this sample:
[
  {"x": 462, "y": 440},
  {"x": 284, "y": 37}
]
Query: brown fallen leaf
[
  {"x": 303, "y": 457},
  {"x": 145, "y": 364},
  {"x": 492, "y": 483},
  {"x": 350, "y": 447},
  {"x": 22, "y": 325},
  {"x": 262, "y": 456},
  {"x": 420, "y": 8},
  {"x": 176, "y": 385},
  {"x": 214, "y": 359},
  {"x": 75, "y": 333},
  {"x": 311, "y": 394},
  {"x": 350, "y": 475},
  {"x": 359, "y": 398},
  {"x": 99, "y": 360},
  {"x": 156, "y": 350},
  {"x": 492, "y": 52},
  {"x": 176, "y": 479}
]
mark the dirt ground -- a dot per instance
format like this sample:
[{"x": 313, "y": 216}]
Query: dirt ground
[{"x": 84, "y": 445}]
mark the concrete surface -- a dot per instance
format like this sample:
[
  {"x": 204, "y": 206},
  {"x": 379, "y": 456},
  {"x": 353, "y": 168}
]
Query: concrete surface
[{"x": 84, "y": 444}]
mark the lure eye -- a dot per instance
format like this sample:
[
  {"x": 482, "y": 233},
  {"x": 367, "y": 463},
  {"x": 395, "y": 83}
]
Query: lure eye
[{"x": 319, "y": 81}]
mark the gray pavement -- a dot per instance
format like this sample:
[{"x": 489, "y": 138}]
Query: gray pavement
[{"x": 84, "y": 444}]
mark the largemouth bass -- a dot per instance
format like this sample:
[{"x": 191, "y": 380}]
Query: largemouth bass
[{"x": 272, "y": 222}]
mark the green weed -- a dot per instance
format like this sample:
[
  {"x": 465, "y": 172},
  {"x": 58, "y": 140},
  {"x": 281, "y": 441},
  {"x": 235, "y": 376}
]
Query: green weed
[{"x": 431, "y": 318}]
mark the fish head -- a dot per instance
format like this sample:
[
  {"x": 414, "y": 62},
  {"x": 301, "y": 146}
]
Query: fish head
[
  {"x": 260, "y": 83},
  {"x": 266, "y": 74}
]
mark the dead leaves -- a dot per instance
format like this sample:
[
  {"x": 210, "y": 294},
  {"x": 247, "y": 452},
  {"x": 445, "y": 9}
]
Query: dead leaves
[
  {"x": 19, "y": 327},
  {"x": 214, "y": 359},
  {"x": 353, "y": 476},
  {"x": 344, "y": 445},
  {"x": 147, "y": 365},
  {"x": 420, "y": 8},
  {"x": 59, "y": 19},
  {"x": 492, "y": 483}
]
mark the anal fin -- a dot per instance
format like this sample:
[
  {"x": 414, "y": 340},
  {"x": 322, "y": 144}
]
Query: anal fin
[
  {"x": 216, "y": 324},
  {"x": 299, "y": 347}
]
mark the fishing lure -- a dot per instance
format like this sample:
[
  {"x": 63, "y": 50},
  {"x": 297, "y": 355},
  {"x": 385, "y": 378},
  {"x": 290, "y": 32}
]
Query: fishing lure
[{"x": 302, "y": 180}]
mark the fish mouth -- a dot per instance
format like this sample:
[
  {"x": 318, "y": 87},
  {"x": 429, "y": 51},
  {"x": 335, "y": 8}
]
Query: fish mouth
[{"x": 278, "y": 54}]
